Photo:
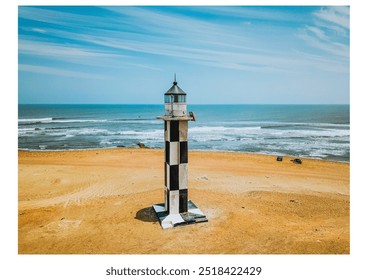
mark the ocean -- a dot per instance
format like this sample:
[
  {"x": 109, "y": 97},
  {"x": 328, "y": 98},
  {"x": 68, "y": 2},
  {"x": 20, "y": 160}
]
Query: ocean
[{"x": 312, "y": 131}]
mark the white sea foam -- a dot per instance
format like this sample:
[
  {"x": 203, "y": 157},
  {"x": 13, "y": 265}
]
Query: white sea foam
[
  {"x": 45, "y": 120},
  {"x": 270, "y": 124},
  {"x": 216, "y": 129},
  {"x": 319, "y": 139},
  {"x": 62, "y": 120}
]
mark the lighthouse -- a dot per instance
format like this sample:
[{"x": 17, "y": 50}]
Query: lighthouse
[{"x": 177, "y": 209}]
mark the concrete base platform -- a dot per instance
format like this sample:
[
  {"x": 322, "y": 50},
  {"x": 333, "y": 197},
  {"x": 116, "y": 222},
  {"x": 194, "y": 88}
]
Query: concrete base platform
[{"x": 194, "y": 215}]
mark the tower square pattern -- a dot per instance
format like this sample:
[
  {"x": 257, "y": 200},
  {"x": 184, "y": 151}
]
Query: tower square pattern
[
  {"x": 177, "y": 209},
  {"x": 176, "y": 166}
]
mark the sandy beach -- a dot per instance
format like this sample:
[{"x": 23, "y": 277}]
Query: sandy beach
[{"x": 99, "y": 202}]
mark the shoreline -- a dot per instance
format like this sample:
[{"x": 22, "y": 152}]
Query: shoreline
[
  {"x": 99, "y": 202},
  {"x": 191, "y": 150}
]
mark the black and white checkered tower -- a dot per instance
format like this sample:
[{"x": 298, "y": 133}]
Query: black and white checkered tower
[{"x": 177, "y": 209}]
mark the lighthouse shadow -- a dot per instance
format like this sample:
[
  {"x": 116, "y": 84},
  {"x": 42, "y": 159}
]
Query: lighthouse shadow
[{"x": 146, "y": 215}]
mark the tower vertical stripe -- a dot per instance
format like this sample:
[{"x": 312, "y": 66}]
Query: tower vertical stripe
[
  {"x": 184, "y": 152},
  {"x": 174, "y": 131},
  {"x": 174, "y": 177},
  {"x": 167, "y": 152},
  {"x": 183, "y": 201}
]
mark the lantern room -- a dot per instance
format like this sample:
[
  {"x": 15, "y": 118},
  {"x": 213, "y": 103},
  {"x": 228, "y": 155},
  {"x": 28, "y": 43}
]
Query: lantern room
[{"x": 175, "y": 101}]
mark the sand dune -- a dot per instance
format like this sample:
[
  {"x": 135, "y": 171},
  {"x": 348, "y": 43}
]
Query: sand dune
[{"x": 99, "y": 202}]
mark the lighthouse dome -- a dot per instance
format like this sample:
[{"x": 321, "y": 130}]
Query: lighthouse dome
[{"x": 175, "y": 101}]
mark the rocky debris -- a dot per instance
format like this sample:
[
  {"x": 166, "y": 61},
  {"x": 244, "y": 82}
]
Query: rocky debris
[
  {"x": 297, "y": 160},
  {"x": 142, "y": 146}
]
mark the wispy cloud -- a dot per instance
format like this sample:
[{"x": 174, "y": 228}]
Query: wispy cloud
[
  {"x": 59, "y": 50},
  {"x": 326, "y": 45},
  {"x": 63, "y": 18},
  {"x": 329, "y": 23},
  {"x": 248, "y": 13},
  {"x": 39, "y": 30},
  {"x": 129, "y": 31},
  {"x": 58, "y": 72},
  {"x": 128, "y": 43},
  {"x": 318, "y": 32},
  {"x": 335, "y": 16}
]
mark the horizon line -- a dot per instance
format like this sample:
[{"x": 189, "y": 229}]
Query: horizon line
[{"x": 159, "y": 104}]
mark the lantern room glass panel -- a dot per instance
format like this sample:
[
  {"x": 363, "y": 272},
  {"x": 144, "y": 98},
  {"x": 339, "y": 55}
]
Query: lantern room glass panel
[{"x": 168, "y": 98}]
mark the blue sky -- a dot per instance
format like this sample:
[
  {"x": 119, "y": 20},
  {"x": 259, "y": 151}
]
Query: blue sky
[{"x": 221, "y": 54}]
